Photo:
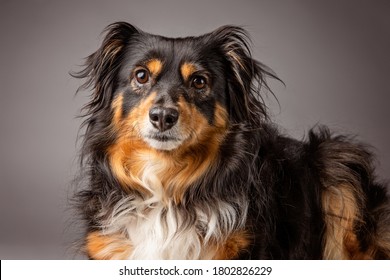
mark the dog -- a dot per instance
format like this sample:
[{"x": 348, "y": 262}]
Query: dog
[{"x": 180, "y": 160}]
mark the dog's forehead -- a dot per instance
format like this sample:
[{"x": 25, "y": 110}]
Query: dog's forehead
[{"x": 170, "y": 51}]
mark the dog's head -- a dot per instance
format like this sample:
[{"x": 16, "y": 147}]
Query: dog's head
[{"x": 174, "y": 92}]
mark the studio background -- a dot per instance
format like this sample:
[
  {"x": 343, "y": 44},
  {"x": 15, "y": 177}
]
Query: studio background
[{"x": 332, "y": 55}]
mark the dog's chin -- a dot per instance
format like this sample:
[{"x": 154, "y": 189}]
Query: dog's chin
[{"x": 163, "y": 143}]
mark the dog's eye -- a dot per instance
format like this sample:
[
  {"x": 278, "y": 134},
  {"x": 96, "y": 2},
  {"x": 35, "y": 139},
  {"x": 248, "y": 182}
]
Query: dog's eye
[
  {"x": 199, "y": 82},
  {"x": 142, "y": 76}
]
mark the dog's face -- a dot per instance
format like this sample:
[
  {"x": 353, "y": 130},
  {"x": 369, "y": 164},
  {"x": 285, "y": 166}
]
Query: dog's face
[{"x": 171, "y": 94}]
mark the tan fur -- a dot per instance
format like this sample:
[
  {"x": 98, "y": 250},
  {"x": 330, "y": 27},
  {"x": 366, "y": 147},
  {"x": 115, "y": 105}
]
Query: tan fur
[
  {"x": 232, "y": 247},
  {"x": 117, "y": 108},
  {"x": 105, "y": 247},
  {"x": 154, "y": 66},
  {"x": 128, "y": 141},
  {"x": 342, "y": 212},
  {"x": 186, "y": 70}
]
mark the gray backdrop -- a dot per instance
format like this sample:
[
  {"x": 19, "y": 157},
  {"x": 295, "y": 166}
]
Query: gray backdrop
[{"x": 333, "y": 56}]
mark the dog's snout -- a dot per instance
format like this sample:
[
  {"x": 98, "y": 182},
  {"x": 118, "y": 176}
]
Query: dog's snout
[{"x": 163, "y": 118}]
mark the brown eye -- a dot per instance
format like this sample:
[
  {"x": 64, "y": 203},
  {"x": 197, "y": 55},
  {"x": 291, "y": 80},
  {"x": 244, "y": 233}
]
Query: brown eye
[
  {"x": 198, "y": 82},
  {"x": 142, "y": 76}
]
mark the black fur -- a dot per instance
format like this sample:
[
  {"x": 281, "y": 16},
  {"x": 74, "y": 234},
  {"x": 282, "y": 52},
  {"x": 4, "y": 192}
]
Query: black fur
[{"x": 282, "y": 180}]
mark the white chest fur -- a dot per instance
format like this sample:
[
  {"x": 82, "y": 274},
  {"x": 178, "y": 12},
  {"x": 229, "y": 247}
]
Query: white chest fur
[
  {"x": 157, "y": 229},
  {"x": 161, "y": 234}
]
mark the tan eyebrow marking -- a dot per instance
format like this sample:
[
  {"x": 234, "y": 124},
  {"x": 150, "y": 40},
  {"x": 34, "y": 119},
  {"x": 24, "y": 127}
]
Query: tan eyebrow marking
[
  {"x": 155, "y": 66},
  {"x": 187, "y": 69}
]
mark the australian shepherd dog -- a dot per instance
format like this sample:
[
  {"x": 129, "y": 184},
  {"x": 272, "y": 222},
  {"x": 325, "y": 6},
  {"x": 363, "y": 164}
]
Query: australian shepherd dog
[{"x": 181, "y": 161}]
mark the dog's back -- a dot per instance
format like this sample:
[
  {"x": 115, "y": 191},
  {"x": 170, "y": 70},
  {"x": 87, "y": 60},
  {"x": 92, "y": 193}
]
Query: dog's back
[{"x": 322, "y": 200}]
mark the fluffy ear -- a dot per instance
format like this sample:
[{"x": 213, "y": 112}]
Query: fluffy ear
[
  {"x": 102, "y": 66},
  {"x": 245, "y": 76}
]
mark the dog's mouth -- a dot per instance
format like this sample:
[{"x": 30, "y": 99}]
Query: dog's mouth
[
  {"x": 162, "y": 138},
  {"x": 163, "y": 141}
]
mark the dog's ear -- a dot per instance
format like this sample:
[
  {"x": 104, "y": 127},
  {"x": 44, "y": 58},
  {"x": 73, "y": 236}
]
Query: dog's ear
[
  {"x": 245, "y": 76},
  {"x": 102, "y": 66}
]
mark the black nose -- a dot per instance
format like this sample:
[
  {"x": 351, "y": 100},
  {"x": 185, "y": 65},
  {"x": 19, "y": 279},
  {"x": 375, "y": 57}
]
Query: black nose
[{"x": 163, "y": 118}]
